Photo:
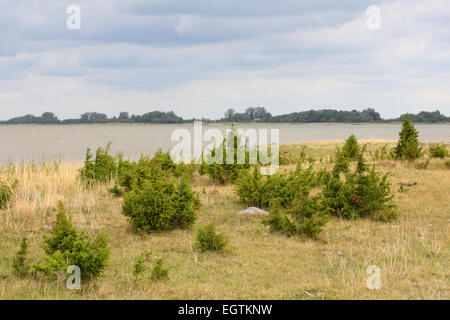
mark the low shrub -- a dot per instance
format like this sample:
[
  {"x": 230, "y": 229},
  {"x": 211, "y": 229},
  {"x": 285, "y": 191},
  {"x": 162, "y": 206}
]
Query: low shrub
[
  {"x": 209, "y": 240},
  {"x": 438, "y": 151},
  {"x": 251, "y": 188},
  {"x": 20, "y": 264},
  {"x": 131, "y": 173},
  {"x": 385, "y": 215},
  {"x": 160, "y": 205},
  {"x": 164, "y": 161},
  {"x": 306, "y": 217},
  {"x": 222, "y": 169},
  {"x": 360, "y": 193},
  {"x": 160, "y": 166},
  {"x": 65, "y": 247},
  {"x": 141, "y": 266},
  {"x": 158, "y": 271},
  {"x": 101, "y": 169},
  {"x": 256, "y": 190},
  {"x": 225, "y": 172}
]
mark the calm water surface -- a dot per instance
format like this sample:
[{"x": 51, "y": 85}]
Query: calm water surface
[{"x": 52, "y": 142}]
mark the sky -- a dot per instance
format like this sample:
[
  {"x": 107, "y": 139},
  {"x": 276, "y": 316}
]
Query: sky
[{"x": 200, "y": 57}]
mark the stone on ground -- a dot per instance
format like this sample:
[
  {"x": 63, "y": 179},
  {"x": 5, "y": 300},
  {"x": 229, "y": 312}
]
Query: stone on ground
[{"x": 253, "y": 211}]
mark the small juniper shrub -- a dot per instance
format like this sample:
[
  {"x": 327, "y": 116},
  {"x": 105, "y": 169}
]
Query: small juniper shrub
[
  {"x": 164, "y": 161},
  {"x": 256, "y": 190},
  {"x": 136, "y": 173},
  {"x": 251, "y": 188},
  {"x": 351, "y": 148},
  {"x": 408, "y": 147},
  {"x": 447, "y": 164},
  {"x": 158, "y": 270},
  {"x": 160, "y": 203},
  {"x": 184, "y": 202},
  {"x": 148, "y": 168},
  {"x": 219, "y": 167},
  {"x": 306, "y": 216},
  {"x": 141, "y": 264},
  {"x": 6, "y": 192},
  {"x": 20, "y": 264},
  {"x": 209, "y": 240},
  {"x": 361, "y": 193},
  {"x": 150, "y": 207},
  {"x": 65, "y": 247},
  {"x": 101, "y": 169},
  {"x": 438, "y": 151}
]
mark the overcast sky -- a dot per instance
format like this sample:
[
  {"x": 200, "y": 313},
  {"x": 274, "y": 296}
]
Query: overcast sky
[{"x": 199, "y": 57}]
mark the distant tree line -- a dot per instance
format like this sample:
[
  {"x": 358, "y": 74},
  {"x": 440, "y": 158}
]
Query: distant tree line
[
  {"x": 367, "y": 115},
  {"x": 252, "y": 114},
  {"x": 424, "y": 116},
  {"x": 95, "y": 117}
]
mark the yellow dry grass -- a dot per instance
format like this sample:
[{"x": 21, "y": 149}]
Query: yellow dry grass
[{"x": 413, "y": 252}]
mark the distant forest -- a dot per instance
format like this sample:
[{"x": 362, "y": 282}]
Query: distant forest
[{"x": 250, "y": 115}]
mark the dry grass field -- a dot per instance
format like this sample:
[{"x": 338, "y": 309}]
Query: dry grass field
[{"x": 412, "y": 252}]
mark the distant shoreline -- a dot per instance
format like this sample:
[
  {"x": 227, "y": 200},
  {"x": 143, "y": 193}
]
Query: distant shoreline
[
  {"x": 250, "y": 116},
  {"x": 219, "y": 123}
]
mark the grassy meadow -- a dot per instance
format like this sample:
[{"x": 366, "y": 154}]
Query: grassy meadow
[{"x": 412, "y": 252}]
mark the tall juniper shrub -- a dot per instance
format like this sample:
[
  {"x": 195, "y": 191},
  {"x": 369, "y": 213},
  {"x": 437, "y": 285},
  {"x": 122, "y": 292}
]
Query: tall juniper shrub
[
  {"x": 351, "y": 148},
  {"x": 408, "y": 147},
  {"x": 359, "y": 193}
]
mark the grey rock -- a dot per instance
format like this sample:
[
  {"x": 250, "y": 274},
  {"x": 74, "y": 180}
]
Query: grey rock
[{"x": 253, "y": 211}]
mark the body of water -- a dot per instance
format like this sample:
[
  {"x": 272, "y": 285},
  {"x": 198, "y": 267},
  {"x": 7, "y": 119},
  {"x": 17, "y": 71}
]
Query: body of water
[{"x": 52, "y": 142}]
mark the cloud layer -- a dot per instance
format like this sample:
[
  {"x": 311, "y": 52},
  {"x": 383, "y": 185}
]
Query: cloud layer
[{"x": 199, "y": 57}]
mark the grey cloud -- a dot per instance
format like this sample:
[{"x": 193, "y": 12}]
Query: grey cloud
[{"x": 159, "y": 46}]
